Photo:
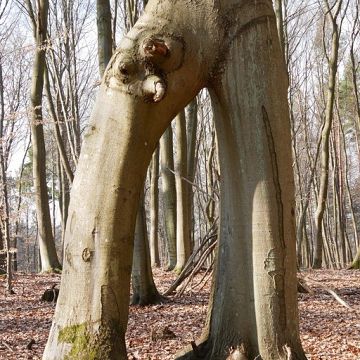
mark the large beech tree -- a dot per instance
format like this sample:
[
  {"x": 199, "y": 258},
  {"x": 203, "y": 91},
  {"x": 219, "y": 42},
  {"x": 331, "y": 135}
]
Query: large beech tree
[{"x": 175, "y": 49}]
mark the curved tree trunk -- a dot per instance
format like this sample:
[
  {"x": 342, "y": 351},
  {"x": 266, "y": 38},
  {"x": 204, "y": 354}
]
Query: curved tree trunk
[{"x": 254, "y": 299}]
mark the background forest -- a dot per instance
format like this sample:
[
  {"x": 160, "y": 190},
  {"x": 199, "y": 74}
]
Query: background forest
[{"x": 38, "y": 158}]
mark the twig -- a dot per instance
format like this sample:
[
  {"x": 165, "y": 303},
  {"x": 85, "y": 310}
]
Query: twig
[
  {"x": 7, "y": 346},
  {"x": 331, "y": 292}
]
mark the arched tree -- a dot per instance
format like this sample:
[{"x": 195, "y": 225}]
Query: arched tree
[{"x": 175, "y": 49}]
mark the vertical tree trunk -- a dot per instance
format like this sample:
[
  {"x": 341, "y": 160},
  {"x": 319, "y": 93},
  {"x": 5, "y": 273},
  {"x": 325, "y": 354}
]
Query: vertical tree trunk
[
  {"x": 280, "y": 23},
  {"x": 256, "y": 253},
  {"x": 49, "y": 259},
  {"x": 4, "y": 199},
  {"x": 3, "y": 244},
  {"x": 356, "y": 262},
  {"x": 324, "y": 153},
  {"x": 154, "y": 210},
  {"x": 183, "y": 242},
  {"x": 105, "y": 42},
  {"x": 144, "y": 289},
  {"x": 168, "y": 195},
  {"x": 191, "y": 132}
]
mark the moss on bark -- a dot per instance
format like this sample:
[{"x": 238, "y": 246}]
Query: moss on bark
[{"x": 89, "y": 345}]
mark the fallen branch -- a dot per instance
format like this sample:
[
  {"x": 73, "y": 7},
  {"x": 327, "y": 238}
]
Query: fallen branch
[
  {"x": 7, "y": 346},
  {"x": 331, "y": 292},
  {"x": 209, "y": 242}
]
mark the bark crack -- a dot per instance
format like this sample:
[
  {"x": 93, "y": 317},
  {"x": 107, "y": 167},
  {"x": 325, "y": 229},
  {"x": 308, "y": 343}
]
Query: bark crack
[
  {"x": 275, "y": 174},
  {"x": 277, "y": 275}
]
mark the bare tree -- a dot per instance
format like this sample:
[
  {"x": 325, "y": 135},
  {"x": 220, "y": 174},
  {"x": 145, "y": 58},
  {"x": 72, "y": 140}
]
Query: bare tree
[{"x": 133, "y": 109}]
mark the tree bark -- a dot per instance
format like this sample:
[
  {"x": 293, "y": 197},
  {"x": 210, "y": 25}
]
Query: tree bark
[
  {"x": 356, "y": 262},
  {"x": 4, "y": 198},
  {"x": 324, "y": 152},
  {"x": 105, "y": 41},
  {"x": 144, "y": 289},
  {"x": 168, "y": 195},
  {"x": 191, "y": 132},
  {"x": 254, "y": 298},
  {"x": 154, "y": 210},
  {"x": 49, "y": 259},
  {"x": 183, "y": 243}
]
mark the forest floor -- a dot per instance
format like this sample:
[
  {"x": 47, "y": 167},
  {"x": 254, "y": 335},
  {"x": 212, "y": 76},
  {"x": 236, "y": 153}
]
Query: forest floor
[{"x": 328, "y": 329}]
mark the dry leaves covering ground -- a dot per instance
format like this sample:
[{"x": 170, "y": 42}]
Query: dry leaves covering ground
[{"x": 329, "y": 331}]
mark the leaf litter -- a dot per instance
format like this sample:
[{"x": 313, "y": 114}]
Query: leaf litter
[{"x": 328, "y": 330}]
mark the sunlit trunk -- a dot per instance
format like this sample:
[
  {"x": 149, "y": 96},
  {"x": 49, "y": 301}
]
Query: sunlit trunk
[{"x": 239, "y": 58}]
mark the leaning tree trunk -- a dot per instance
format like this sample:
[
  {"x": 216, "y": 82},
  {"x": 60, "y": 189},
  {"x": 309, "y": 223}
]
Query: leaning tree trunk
[
  {"x": 160, "y": 66},
  {"x": 49, "y": 259}
]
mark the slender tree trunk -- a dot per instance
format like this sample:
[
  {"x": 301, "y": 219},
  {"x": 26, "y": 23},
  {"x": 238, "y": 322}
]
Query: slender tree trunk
[
  {"x": 191, "y": 131},
  {"x": 168, "y": 195},
  {"x": 280, "y": 23},
  {"x": 49, "y": 259},
  {"x": 154, "y": 210},
  {"x": 183, "y": 240},
  {"x": 3, "y": 242},
  {"x": 144, "y": 289},
  {"x": 324, "y": 154},
  {"x": 4, "y": 199},
  {"x": 105, "y": 42},
  {"x": 59, "y": 141}
]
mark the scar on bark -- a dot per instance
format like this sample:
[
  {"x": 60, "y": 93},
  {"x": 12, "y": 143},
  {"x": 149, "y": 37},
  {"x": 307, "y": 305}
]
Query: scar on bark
[{"x": 153, "y": 47}]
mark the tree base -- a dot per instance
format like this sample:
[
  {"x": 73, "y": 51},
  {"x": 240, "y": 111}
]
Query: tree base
[
  {"x": 206, "y": 351},
  {"x": 153, "y": 299},
  {"x": 355, "y": 265}
]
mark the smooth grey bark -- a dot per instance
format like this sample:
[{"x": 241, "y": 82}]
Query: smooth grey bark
[
  {"x": 4, "y": 198},
  {"x": 280, "y": 23},
  {"x": 183, "y": 239},
  {"x": 154, "y": 210},
  {"x": 325, "y": 135},
  {"x": 59, "y": 140},
  {"x": 168, "y": 194},
  {"x": 254, "y": 298},
  {"x": 105, "y": 41},
  {"x": 49, "y": 259},
  {"x": 191, "y": 132},
  {"x": 144, "y": 289}
]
